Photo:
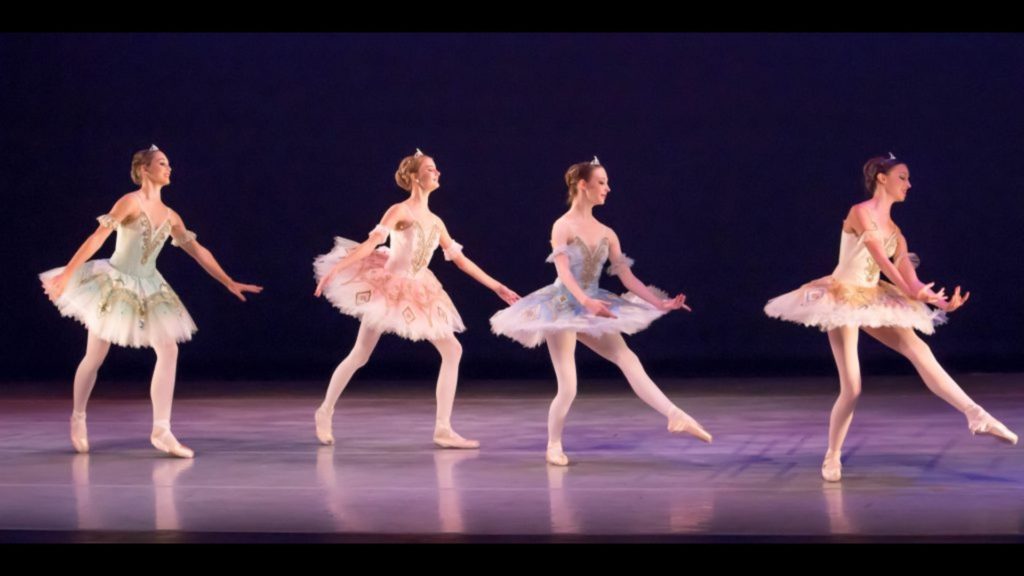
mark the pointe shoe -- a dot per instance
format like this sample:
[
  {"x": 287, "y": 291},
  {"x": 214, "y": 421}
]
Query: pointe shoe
[
  {"x": 680, "y": 421},
  {"x": 832, "y": 467},
  {"x": 323, "y": 426},
  {"x": 79, "y": 434},
  {"x": 554, "y": 455},
  {"x": 981, "y": 422},
  {"x": 163, "y": 440},
  {"x": 448, "y": 438}
]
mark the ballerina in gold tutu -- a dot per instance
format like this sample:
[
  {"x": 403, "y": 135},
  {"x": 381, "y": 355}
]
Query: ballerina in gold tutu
[{"x": 854, "y": 298}]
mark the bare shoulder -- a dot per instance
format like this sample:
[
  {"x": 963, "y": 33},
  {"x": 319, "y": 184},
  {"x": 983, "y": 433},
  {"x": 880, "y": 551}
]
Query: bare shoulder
[
  {"x": 395, "y": 213},
  {"x": 859, "y": 210},
  {"x": 125, "y": 206},
  {"x": 438, "y": 222},
  {"x": 127, "y": 199},
  {"x": 560, "y": 225},
  {"x": 175, "y": 217},
  {"x": 607, "y": 230},
  {"x": 397, "y": 209},
  {"x": 857, "y": 218}
]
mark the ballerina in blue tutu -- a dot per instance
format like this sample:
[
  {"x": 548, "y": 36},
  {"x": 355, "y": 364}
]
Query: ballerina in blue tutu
[{"x": 575, "y": 308}]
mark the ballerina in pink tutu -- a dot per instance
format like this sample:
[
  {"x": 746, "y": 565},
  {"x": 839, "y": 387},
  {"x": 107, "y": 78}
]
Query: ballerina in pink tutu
[{"x": 391, "y": 289}]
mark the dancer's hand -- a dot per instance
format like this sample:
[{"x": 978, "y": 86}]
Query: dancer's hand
[
  {"x": 506, "y": 294},
  {"x": 237, "y": 288},
  {"x": 676, "y": 303},
  {"x": 926, "y": 295},
  {"x": 956, "y": 300},
  {"x": 56, "y": 285},
  {"x": 598, "y": 308},
  {"x": 323, "y": 282}
]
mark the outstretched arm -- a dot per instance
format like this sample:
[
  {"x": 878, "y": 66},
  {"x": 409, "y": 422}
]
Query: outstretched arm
[
  {"x": 621, "y": 266},
  {"x": 185, "y": 239},
  {"x": 453, "y": 253}
]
